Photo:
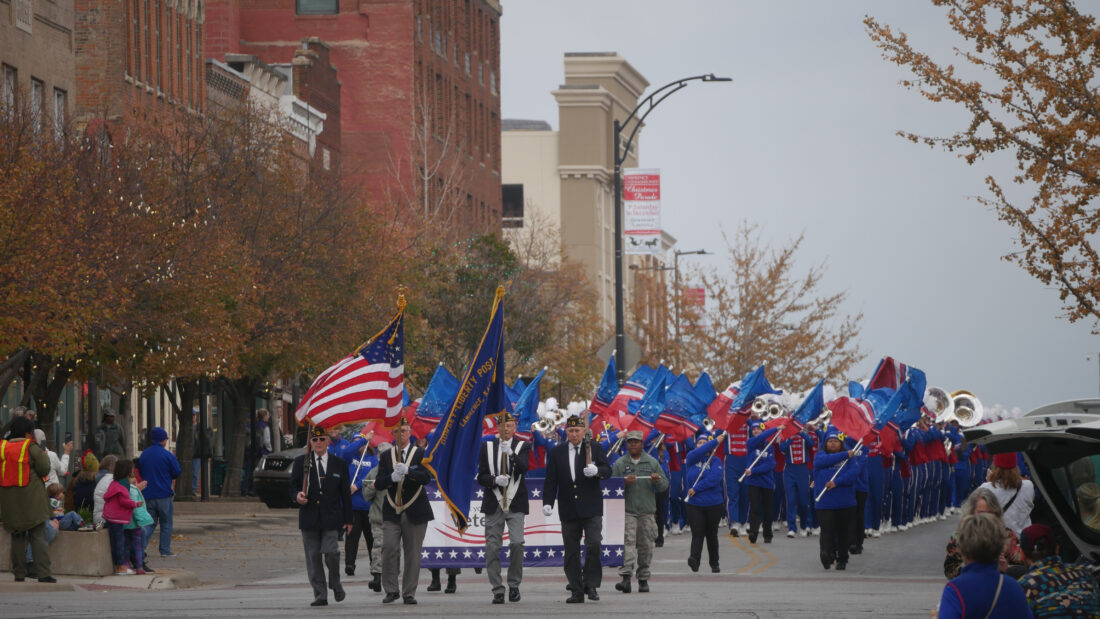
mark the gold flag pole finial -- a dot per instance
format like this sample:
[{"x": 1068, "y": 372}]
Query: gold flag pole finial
[{"x": 401, "y": 291}]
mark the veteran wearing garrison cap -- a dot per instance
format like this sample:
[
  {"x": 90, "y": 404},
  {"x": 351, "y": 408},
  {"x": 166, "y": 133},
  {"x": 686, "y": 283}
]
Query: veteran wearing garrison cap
[
  {"x": 324, "y": 501},
  {"x": 573, "y": 473},
  {"x": 502, "y": 465}
]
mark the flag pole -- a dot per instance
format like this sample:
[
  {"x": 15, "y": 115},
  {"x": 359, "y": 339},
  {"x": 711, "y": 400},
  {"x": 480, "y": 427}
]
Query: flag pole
[
  {"x": 826, "y": 489},
  {"x": 308, "y": 458},
  {"x": 760, "y": 455}
]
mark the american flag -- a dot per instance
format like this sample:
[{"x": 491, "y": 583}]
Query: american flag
[{"x": 368, "y": 384}]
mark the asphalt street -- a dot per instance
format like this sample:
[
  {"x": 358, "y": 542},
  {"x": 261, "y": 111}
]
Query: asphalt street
[{"x": 252, "y": 566}]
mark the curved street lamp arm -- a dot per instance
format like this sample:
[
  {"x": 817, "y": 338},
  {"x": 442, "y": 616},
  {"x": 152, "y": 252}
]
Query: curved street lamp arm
[{"x": 653, "y": 100}]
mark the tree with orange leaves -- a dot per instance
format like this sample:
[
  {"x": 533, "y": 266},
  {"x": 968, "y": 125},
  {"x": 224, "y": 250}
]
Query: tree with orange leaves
[{"x": 1036, "y": 100}]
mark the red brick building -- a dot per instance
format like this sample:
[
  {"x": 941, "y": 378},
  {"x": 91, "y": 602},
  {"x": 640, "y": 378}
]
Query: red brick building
[
  {"x": 138, "y": 51},
  {"x": 419, "y": 98}
]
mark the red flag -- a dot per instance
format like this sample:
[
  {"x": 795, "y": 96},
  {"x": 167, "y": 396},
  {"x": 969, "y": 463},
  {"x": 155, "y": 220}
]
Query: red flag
[
  {"x": 737, "y": 420},
  {"x": 852, "y": 416},
  {"x": 719, "y": 409},
  {"x": 889, "y": 437}
]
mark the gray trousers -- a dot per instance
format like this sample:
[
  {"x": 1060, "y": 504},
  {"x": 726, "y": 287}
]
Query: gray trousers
[
  {"x": 402, "y": 538},
  {"x": 320, "y": 544},
  {"x": 39, "y": 547},
  {"x": 639, "y": 534},
  {"x": 376, "y": 551},
  {"x": 494, "y": 534}
]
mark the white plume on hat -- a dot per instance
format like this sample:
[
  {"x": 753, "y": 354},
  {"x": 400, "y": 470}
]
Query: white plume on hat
[{"x": 575, "y": 408}]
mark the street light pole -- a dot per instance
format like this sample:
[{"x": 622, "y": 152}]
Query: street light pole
[{"x": 618, "y": 157}]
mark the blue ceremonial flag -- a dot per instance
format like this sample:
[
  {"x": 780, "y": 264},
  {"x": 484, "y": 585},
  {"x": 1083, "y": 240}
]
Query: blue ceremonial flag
[
  {"x": 754, "y": 385},
  {"x": 910, "y": 399},
  {"x": 527, "y": 407},
  {"x": 653, "y": 402},
  {"x": 812, "y": 406},
  {"x": 684, "y": 410},
  {"x": 704, "y": 388},
  {"x": 453, "y": 457},
  {"x": 515, "y": 391},
  {"x": 605, "y": 393},
  {"x": 437, "y": 400}
]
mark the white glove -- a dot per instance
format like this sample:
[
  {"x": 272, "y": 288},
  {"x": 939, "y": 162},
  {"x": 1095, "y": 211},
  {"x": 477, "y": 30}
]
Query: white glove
[
  {"x": 506, "y": 448},
  {"x": 396, "y": 477},
  {"x": 857, "y": 451},
  {"x": 502, "y": 480},
  {"x": 547, "y": 510},
  {"x": 591, "y": 470},
  {"x": 401, "y": 468}
]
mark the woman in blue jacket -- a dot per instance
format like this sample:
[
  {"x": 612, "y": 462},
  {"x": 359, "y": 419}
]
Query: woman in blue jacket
[
  {"x": 760, "y": 480},
  {"x": 704, "y": 481},
  {"x": 837, "y": 505}
]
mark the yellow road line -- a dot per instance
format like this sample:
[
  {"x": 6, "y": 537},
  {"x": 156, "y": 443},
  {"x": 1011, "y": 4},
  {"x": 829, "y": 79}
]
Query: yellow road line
[
  {"x": 745, "y": 549},
  {"x": 770, "y": 562}
]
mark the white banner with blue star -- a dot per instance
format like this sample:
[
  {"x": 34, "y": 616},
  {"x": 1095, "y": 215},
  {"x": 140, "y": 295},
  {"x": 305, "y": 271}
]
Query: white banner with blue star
[{"x": 446, "y": 546}]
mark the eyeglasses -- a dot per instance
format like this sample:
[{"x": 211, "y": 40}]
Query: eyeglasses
[{"x": 319, "y": 438}]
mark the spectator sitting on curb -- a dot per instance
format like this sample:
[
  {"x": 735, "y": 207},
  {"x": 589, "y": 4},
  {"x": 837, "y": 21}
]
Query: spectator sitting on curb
[
  {"x": 59, "y": 467},
  {"x": 80, "y": 493},
  {"x": 103, "y": 481}
]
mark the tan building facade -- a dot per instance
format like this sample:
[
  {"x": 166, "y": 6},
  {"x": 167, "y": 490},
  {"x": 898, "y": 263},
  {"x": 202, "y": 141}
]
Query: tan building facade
[
  {"x": 37, "y": 57},
  {"x": 566, "y": 176}
]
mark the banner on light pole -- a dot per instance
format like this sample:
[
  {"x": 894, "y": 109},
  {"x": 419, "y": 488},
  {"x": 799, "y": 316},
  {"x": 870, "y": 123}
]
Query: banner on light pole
[{"x": 642, "y": 211}]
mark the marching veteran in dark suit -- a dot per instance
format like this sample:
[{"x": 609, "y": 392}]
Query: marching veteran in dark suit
[
  {"x": 405, "y": 514},
  {"x": 573, "y": 473},
  {"x": 325, "y": 508},
  {"x": 501, "y": 466}
]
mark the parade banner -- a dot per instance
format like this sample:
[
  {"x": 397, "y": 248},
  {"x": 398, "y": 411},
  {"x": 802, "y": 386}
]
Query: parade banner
[
  {"x": 446, "y": 546},
  {"x": 642, "y": 211}
]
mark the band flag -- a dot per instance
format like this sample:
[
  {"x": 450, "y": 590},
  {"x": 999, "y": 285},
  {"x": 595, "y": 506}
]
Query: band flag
[
  {"x": 368, "y": 384},
  {"x": 754, "y": 385},
  {"x": 653, "y": 404},
  {"x": 682, "y": 407},
  {"x": 452, "y": 459},
  {"x": 605, "y": 392},
  {"x": 437, "y": 400},
  {"x": 527, "y": 408}
]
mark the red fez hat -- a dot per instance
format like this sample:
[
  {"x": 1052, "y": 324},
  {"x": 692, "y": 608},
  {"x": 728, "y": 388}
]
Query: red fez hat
[{"x": 1005, "y": 460}]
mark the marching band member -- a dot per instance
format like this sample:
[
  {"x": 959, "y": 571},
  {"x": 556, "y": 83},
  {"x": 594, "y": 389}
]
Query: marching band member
[
  {"x": 676, "y": 509},
  {"x": 573, "y": 473},
  {"x": 703, "y": 499},
  {"x": 876, "y": 485},
  {"x": 502, "y": 464},
  {"x": 859, "y": 485},
  {"x": 796, "y": 481},
  {"x": 643, "y": 478},
  {"x": 836, "y": 506},
  {"x": 760, "y": 480},
  {"x": 359, "y": 466},
  {"x": 737, "y": 495}
]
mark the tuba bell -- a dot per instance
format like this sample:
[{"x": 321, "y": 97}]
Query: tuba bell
[
  {"x": 940, "y": 404},
  {"x": 968, "y": 408},
  {"x": 759, "y": 406},
  {"x": 775, "y": 411},
  {"x": 708, "y": 424}
]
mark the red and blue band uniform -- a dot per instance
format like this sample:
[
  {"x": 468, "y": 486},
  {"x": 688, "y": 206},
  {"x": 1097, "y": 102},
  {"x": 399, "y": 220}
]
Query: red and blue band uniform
[
  {"x": 876, "y": 485},
  {"x": 676, "y": 454},
  {"x": 859, "y": 484},
  {"x": 779, "y": 500},
  {"x": 761, "y": 484},
  {"x": 737, "y": 498},
  {"x": 796, "y": 480}
]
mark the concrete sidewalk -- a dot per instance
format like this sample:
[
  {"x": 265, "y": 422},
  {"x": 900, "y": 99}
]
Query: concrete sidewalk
[{"x": 160, "y": 581}]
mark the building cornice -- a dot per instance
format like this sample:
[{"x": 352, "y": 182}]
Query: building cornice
[{"x": 599, "y": 173}]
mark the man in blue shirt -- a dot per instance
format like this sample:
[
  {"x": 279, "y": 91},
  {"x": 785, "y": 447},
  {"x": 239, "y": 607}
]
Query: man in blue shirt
[{"x": 159, "y": 468}]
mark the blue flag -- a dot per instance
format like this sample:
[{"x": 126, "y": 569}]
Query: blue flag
[
  {"x": 527, "y": 408},
  {"x": 704, "y": 388},
  {"x": 684, "y": 410},
  {"x": 609, "y": 386},
  {"x": 440, "y": 394},
  {"x": 812, "y": 405},
  {"x": 653, "y": 403},
  {"x": 754, "y": 385},
  {"x": 910, "y": 396},
  {"x": 453, "y": 457}
]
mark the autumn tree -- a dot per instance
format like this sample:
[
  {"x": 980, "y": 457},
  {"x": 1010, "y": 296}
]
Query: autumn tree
[
  {"x": 1034, "y": 97},
  {"x": 760, "y": 309}
]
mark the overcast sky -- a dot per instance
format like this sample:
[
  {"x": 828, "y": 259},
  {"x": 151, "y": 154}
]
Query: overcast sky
[{"x": 803, "y": 141}]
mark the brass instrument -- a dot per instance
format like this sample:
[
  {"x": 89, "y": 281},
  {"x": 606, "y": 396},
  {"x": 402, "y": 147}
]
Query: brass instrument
[
  {"x": 759, "y": 406},
  {"x": 939, "y": 403},
  {"x": 775, "y": 411},
  {"x": 709, "y": 424},
  {"x": 968, "y": 408}
]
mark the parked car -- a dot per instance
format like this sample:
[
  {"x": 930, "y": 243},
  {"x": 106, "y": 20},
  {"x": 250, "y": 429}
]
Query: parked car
[
  {"x": 271, "y": 477},
  {"x": 1061, "y": 445}
]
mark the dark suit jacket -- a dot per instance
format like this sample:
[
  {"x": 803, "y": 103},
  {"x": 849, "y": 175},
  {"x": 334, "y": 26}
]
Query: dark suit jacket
[
  {"x": 579, "y": 499},
  {"x": 329, "y": 506},
  {"x": 520, "y": 462},
  {"x": 420, "y": 510}
]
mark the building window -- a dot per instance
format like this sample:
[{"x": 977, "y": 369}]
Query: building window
[
  {"x": 9, "y": 88},
  {"x": 38, "y": 105},
  {"x": 493, "y": 82},
  {"x": 178, "y": 90},
  {"x": 419, "y": 31},
  {"x": 467, "y": 64},
  {"x": 190, "y": 42},
  {"x": 136, "y": 41},
  {"x": 318, "y": 7},
  {"x": 512, "y": 206},
  {"x": 148, "y": 47},
  {"x": 481, "y": 73},
  {"x": 60, "y": 105}
]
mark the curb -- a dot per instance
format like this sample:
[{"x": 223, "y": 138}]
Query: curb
[{"x": 159, "y": 581}]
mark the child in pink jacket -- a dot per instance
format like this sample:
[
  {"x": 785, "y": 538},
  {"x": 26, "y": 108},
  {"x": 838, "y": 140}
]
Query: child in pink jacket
[{"x": 118, "y": 510}]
